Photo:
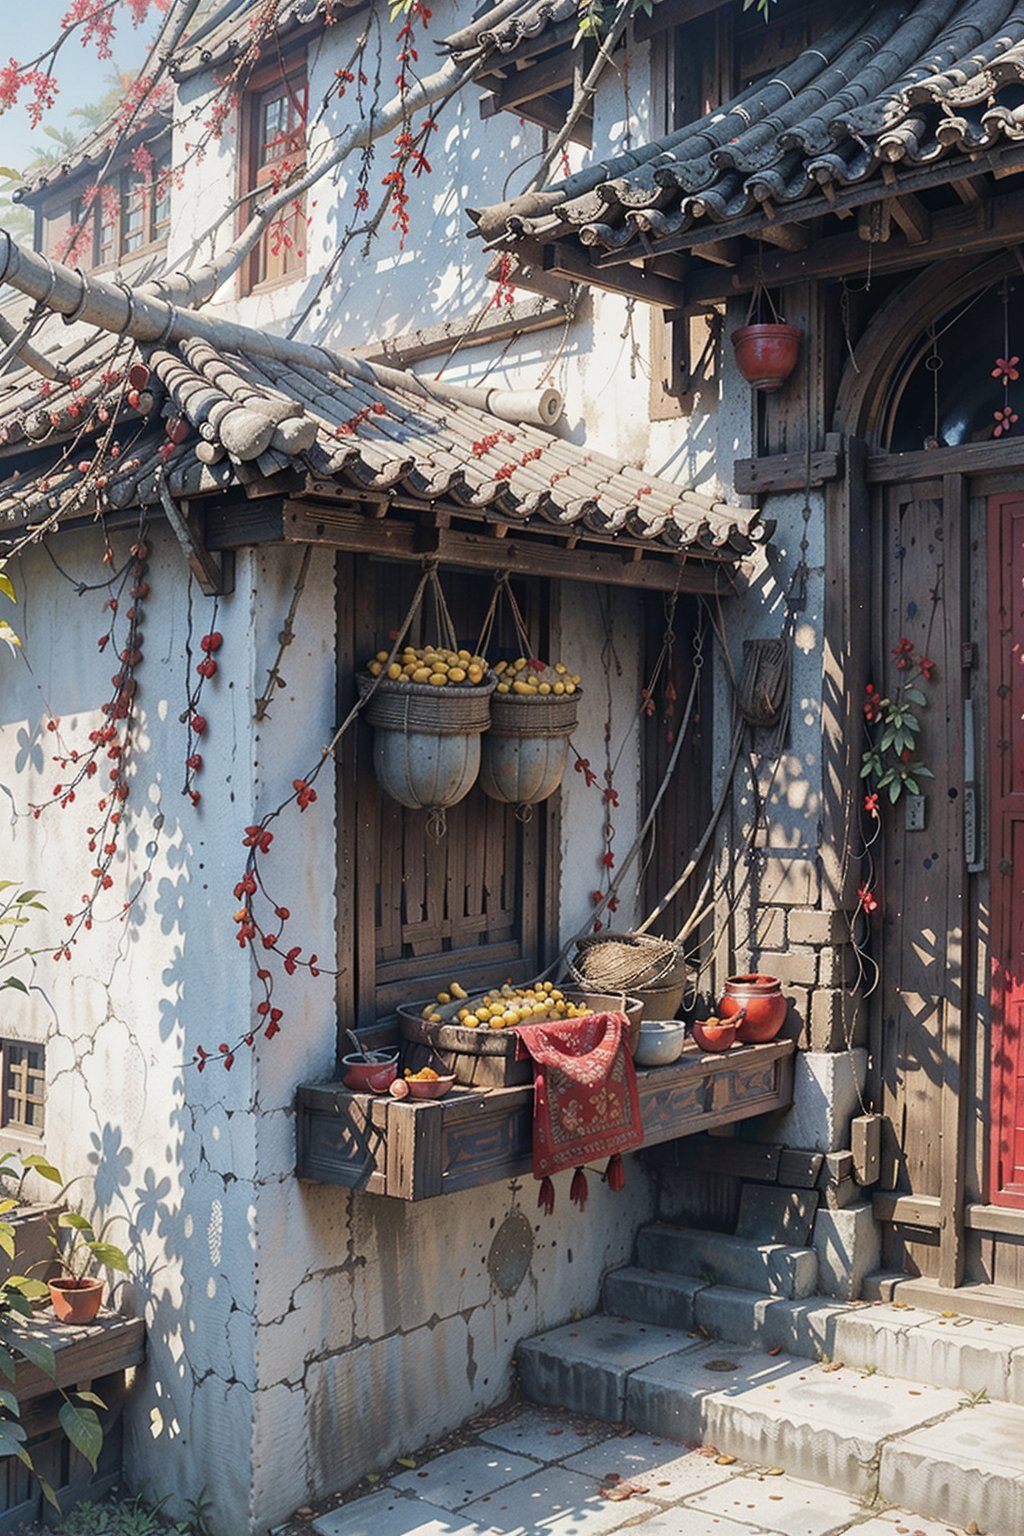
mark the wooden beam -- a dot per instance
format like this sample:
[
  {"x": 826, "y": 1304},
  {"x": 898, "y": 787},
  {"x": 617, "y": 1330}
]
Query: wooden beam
[
  {"x": 929, "y": 463},
  {"x": 214, "y": 574},
  {"x": 908, "y": 1210},
  {"x": 955, "y": 232},
  {"x": 664, "y": 16},
  {"x": 344, "y": 527},
  {"x": 551, "y": 74},
  {"x": 786, "y": 472},
  {"x": 913, "y": 218},
  {"x": 570, "y": 261},
  {"x": 970, "y": 192},
  {"x": 724, "y": 253},
  {"x": 788, "y": 237},
  {"x": 548, "y": 113},
  {"x": 527, "y": 274},
  {"x": 437, "y": 340}
]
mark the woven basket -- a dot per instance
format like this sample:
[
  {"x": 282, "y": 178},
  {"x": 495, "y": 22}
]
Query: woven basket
[
  {"x": 402, "y": 706},
  {"x": 625, "y": 961},
  {"x": 533, "y": 714}
]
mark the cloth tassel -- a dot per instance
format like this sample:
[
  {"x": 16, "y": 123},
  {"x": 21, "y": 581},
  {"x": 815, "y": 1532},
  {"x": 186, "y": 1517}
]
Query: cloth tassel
[
  {"x": 615, "y": 1173},
  {"x": 546, "y": 1197},
  {"x": 578, "y": 1191}
]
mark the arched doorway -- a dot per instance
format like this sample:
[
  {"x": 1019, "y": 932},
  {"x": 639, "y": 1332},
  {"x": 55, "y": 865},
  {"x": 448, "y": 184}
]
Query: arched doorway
[{"x": 935, "y": 398}]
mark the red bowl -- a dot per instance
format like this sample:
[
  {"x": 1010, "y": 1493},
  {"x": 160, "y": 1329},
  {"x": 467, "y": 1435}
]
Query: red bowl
[
  {"x": 429, "y": 1087},
  {"x": 363, "y": 1076}
]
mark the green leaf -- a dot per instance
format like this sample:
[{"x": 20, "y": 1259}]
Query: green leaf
[
  {"x": 7, "y": 587},
  {"x": 914, "y": 695},
  {"x": 34, "y": 1350},
  {"x": 73, "y": 1219},
  {"x": 895, "y": 790},
  {"x": 24, "y": 896},
  {"x": 109, "y": 1255},
  {"x": 9, "y": 1402},
  {"x": 90, "y": 1397},
  {"x": 48, "y": 1493},
  {"x": 14, "y": 984},
  {"x": 8, "y": 637},
  {"x": 7, "y": 1364},
  {"x": 888, "y": 737},
  {"x": 12, "y": 1437},
  {"x": 912, "y": 787},
  {"x": 44, "y": 1169},
  {"x": 25, "y": 1285},
  {"x": 7, "y": 1240},
  {"x": 922, "y": 772},
  {"x": 82, "y": 1428},
  {"x": 7, "y": 1205}
]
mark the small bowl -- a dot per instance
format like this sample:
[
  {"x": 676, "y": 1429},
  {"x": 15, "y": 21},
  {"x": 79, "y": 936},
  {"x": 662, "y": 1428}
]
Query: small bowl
[
  {"x": 363, "y": 1076},
  {"x": 429, "y": 1087},
  {"x": 661, "y": 1042}
]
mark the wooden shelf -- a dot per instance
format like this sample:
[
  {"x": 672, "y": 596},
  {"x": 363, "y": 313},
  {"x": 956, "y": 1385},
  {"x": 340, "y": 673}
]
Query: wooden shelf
[
  {"x": 84, "y": 1353},
  {"x": 414, "y": 1151}
]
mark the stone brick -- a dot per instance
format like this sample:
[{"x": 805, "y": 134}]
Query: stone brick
[
  {"x": 837, "y": 1019},
  {"x": 825, "y": 1099},
  {"x": 769, "y": 929},
  {"x": 786, "y": 882},
  {"x": 842, "y": 1194},
  {"x": 809, "y": 926},
  {"x": 836, "y": 1166},
  {"x": 790, "y": 967},
  {"x": 849, "y": 1246},
  {"x": 838, "y": 966}
]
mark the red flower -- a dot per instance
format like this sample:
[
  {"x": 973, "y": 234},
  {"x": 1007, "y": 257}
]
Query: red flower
[
  {"x": 927, "y": 668},
  {"x": 872, "y": 704},
  {"x": 1005, "y": 421},
  {"x": 871, "y": 804},
  {"x": 867, "y": 898},
  {"x": 1006, "y": 369},
  {"x": 903, "y": 650}
]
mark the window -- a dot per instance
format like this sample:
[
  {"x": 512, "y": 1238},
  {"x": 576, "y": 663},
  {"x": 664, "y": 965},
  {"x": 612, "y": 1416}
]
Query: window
[
  {"x": 128, "y": 214},
  {"x": 274, "y": 148},
  {"x": 478, "y": 905},
  {"x": 23, "y": 1103}
]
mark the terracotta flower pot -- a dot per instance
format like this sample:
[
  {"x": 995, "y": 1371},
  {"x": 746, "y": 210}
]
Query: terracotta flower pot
[
  {"x": 76, "y": 1301},
  {"x": 761, "y": 1001},
  {"x": 766, "y": 354}
]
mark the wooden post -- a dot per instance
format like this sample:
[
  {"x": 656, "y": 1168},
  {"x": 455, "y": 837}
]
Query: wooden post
[{"x": 954, "y": 1053}]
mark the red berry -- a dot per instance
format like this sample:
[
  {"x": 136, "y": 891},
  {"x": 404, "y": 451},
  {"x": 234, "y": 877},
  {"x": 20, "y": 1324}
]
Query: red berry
[
  {"x": 212, "y": 641},
  {"x": 198, "y": 724}
]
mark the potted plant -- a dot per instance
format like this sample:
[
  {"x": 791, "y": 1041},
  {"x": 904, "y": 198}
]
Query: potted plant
[{"x": 76, "y": 1295}]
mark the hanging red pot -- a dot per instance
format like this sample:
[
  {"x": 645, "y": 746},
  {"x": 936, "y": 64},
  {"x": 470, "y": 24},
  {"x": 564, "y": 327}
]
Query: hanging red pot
[{"x": 766, "y": 354}]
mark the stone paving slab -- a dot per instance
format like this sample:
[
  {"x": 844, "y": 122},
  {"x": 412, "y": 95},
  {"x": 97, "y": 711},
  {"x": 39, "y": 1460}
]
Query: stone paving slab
[
  {"x": 554, "y": 1502},
  {"x": 780, "y": 1504},
  {"x": 541, "y": 1435},
  {"x": 396, "y": 1514},
  {"x": 461, "y": 1476},
  {"x": 667, "y": 1471},
  {"x": 971, "y": 1467},
  {"x": 584, "y": 1366}
]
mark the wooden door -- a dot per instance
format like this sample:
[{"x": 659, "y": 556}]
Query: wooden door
[{"x": 1006, "y": 741}]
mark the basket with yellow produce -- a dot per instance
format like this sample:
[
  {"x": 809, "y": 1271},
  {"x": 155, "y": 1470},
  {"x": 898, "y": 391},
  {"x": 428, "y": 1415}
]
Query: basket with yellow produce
[{"x": 475, "y": 1033}]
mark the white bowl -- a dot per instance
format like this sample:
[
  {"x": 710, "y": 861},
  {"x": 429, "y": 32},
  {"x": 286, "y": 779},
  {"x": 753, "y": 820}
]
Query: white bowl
[{"x": 661, "y": 1042}]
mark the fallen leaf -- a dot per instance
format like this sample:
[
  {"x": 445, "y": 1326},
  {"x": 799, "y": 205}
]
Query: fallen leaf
[
  {"x": 373, "y": 1477},
  {"x": 406, "y": 1461},
  {"x": 721, "y": 1365},
  {"x": 775, "y": 1472},
  {"x": 305, "y": 1513},
  {"x": 617, "y": 1494},
  {"x": 556, "y": 1431},
  {"x": 639, "y": 1487},
  {"x": 724, "y": 1461},
  {"x": 776, "y": 1351},
  {"x": 836, "y": 1365},
  {"x": 971, "y": 1528},
  {"x": 612, "y": 1477}
]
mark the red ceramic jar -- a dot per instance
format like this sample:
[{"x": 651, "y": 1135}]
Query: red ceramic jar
[
  {"x": 766, "y": 354},
  {"x": 762, "y": 1003}
]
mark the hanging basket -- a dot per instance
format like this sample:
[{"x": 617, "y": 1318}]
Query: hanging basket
[
  {"x": 426, "y": 741},
  {"x": 524, "y": 753},
  {"x": 766, "y": 354}
]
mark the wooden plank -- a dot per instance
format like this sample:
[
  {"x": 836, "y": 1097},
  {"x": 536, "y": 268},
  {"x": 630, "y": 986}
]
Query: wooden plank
[
  {"x": 787, "y": 471},
  {"x": 638, "y": 283},
  {"x": 908, "y": 1210},
  {"x": 739, "y": 1159},
  {"x": 552, "y": 73},
  {"x": 413, "y": 1160},
  {"x": 913, "y": 218},
  {"x": 547, "y": 112},
  {"x": 109, "y": 1344},
  {"x": 344, "y": 527},
  {"x": 995, "y": 1218},
  {"x": 955, "y": 1097},
  {"x": 932, "y": 463},
  {"x": 663, "y": 16}
]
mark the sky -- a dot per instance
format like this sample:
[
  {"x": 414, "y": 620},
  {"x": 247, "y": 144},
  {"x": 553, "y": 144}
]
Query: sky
[{"x": 80, "y": 75}]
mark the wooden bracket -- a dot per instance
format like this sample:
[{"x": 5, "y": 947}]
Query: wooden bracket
[{"x": 214, "y": 573}]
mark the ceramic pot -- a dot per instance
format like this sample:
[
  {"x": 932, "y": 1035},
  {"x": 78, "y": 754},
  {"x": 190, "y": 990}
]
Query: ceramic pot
[
  {"x": 766, "y": 354},
  {"x": 760, "y": 999},
  {"x": 76, "y": 1301}
]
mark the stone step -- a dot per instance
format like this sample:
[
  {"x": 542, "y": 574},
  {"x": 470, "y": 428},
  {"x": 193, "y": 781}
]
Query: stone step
[
  {"x": 718, "y": 1259},
  {"x": 965, "y": 1354},
  {"x": 924, "y": 1447}
]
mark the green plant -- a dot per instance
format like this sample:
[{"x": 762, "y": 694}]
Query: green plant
[
  {"x": 137, "y": 1515},
  {"x": 889, "y": 764},
  {"x": 15, "y": 908},
  {"x": 760, "y": 6},
  {"x": 85, "y": 1246},
  {"x": 7, "y": 634}
]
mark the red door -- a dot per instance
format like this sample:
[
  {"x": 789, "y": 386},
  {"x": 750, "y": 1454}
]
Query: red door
[{"x": 1006, "y": 754}]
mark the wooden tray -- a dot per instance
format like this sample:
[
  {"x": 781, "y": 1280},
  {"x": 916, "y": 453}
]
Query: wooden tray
[{"x": 486, "y": 1058}]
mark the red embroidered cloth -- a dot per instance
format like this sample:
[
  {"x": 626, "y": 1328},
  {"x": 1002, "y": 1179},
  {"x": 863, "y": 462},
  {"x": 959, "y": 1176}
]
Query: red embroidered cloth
[{"x": 585, "y": 1103}]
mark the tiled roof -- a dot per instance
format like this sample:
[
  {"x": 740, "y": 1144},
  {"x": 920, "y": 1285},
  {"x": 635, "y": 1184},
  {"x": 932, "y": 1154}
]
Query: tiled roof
[
  {"x": 505, "y": 26},
  {"x": 231, "y": 26},
  {"x": 248, "y": 417},
  {"x": 892, "y": 88}
]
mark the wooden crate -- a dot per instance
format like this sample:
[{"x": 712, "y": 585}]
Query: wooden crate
[{"x": 414, "y": 1151}]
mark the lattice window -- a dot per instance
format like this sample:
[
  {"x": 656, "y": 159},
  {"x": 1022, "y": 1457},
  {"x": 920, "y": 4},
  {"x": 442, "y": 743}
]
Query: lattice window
[{"x": 23, "y": 1105}]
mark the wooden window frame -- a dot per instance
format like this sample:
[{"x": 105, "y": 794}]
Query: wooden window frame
[
  {"x": 155, "y": 236},
  {"x": 292, "y": 72},
  {"x": 22, "y": 1050}
]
